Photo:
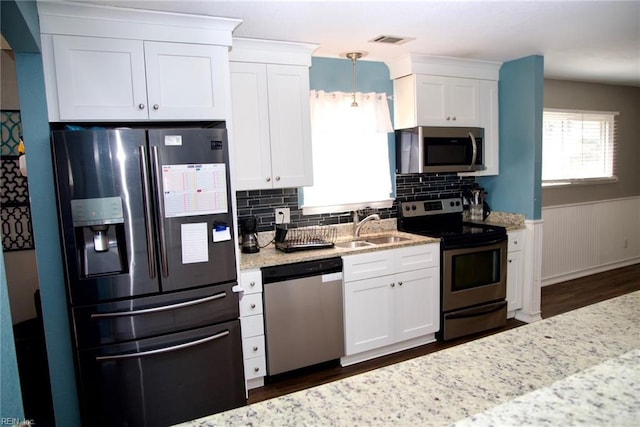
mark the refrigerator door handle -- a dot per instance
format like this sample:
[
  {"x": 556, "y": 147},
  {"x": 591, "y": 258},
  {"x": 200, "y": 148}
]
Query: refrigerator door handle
[
  {"x": 163, "y": 350},
  {"x": 148, "y": 216},
  {"x": 164, "y": 263},
  {"x": 158, "y": 309}
]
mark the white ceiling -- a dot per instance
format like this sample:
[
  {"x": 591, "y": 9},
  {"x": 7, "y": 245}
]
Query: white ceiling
[{"x": 595, "y": 41}]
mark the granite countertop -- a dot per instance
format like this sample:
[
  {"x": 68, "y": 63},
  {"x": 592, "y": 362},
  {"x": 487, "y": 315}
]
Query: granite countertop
[
  {"x": 578, "y": 368},
  {"x": 269, "y": 255}
]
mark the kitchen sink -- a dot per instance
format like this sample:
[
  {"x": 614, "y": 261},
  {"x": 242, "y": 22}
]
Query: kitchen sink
[
  {"x": 379, "y": 240},
  {"x": 370, "y": 241},
  {"x": 354, "y": 244}
]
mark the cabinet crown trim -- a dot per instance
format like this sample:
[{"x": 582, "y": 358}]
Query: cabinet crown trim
[
  {"x": 412, "y": 63},
  {"x": 271, "y": 52},
  {"x": 77, "y": 19}
]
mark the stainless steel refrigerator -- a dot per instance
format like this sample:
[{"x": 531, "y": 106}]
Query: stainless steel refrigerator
[{"x": 149, "y": 255}]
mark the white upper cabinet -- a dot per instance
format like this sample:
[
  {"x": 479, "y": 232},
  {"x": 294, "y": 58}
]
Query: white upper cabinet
[
  {"x": 185, "y": 81},
  {"x": 441, "y": 91},
  {"x": 271, "y": 122},
  {"x": 436, "y": 101},
  {"x": 115, "y": 79},
  {"x": 117, "y": 64},
  {"x": 99, "y": 78}
]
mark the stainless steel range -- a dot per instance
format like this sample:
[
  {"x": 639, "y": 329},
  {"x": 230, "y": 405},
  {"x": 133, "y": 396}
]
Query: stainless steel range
[{"x": 473, "y": 265}]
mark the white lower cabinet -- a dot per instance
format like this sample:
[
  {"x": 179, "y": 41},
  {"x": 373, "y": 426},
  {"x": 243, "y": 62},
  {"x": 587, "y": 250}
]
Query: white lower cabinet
[
  {"x": 515, "y": 273},
  {"x": 391, "y": 301},
  {"x": 252, "y": 326}
]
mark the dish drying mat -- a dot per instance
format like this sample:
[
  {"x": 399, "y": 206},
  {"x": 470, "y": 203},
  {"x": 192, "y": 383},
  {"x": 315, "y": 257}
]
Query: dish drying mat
[{"x": 300, "y": 239}]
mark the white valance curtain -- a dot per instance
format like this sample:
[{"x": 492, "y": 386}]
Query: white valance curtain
[{"x": 350, "y": 152}]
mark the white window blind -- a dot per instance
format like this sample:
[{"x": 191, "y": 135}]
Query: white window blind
[
  {"x": 350, "y": 153},
  {"x": 578, "y": 146}
]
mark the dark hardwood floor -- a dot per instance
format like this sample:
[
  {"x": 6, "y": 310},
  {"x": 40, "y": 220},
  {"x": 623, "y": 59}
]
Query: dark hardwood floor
[{"x": 555, "y": 299}]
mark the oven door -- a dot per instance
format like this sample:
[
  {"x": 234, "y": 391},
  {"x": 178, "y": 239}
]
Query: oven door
[{"x": 474, "y": 274}]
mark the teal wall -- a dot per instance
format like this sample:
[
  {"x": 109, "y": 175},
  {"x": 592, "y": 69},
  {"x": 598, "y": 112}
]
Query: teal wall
[
  {"x": 24, "y": 39},
  {"x": 336, "y": 75},
  {"x": 518, "y": 187}
]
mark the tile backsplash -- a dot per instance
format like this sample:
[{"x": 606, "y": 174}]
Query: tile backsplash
[{"x": 261, "y": 203}]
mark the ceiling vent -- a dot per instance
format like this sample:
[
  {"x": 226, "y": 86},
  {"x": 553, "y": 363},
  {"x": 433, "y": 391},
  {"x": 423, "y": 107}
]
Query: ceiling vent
[{"x": 392, "y": 39}]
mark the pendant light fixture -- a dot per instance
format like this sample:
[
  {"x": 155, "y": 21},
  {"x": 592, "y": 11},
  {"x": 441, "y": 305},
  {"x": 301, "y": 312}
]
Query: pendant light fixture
[{"x": 354, "y": 56}]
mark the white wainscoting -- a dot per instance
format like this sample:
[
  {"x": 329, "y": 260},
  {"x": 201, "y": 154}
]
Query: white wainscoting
[{"x": 587, "y": 238}]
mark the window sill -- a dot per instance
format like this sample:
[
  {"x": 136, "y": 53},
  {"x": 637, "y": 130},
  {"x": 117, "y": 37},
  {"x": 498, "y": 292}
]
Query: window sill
[{"x": 574, "y": 182}]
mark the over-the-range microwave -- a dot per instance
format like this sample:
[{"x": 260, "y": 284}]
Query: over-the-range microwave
[{"x": 439, "y": 149}]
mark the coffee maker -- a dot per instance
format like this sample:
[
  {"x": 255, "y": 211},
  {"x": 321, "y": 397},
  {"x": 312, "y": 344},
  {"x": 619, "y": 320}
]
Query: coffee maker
[{"x": 248, "y": 228}]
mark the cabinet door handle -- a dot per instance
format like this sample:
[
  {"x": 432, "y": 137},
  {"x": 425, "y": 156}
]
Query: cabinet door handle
[
  {"x": 448, "y": 118},
  {"x": 399, "y": 283},
  {"x": 454, "y": 117},
  {"x": 140, "y": 106},
  {"x": 252, "y": 284},
  {"x": 268, "y": 179},
  {"x": 510, "y": 261},
  {"x": 277, "y": 178},
  {"x": 393, "y": 285},
  {"x": 156, "y": 107}
]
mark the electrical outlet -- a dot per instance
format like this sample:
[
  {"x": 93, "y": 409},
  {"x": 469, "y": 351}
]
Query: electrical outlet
[{"x": 283, "y": 216}]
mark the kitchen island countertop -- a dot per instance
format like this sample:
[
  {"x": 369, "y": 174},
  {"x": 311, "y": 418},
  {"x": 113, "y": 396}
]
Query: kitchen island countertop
[{"x": 577, "y": 368}]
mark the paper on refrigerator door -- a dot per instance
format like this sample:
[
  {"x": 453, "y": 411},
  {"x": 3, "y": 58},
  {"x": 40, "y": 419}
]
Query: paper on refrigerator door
[
  {"x": 194, "y": 189},
  {"x": 195, "y": 244}
]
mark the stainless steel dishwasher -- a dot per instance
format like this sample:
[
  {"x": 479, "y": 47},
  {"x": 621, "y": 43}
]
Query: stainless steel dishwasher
[{"x": 303, "y": 314}]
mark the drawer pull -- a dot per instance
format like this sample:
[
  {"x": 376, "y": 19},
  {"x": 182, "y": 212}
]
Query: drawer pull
[
  {"x": 253, "y": 306},
  {"x": 160, "y": 308},
  {"x": 255, "y": 348},
  {"x": 163, "y": 350},
  {"x": 252, "y": 284},
  {"x": 256, "y": 369}
]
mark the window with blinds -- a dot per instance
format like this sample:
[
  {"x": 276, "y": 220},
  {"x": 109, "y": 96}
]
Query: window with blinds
[{"x": 578, "y": 146}]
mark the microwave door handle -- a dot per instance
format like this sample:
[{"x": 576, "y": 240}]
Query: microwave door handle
[{"x": 475, "y": 151}]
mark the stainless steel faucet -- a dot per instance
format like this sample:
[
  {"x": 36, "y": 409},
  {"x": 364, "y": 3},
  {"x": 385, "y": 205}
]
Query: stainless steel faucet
[{"x": 357, "y": 225}]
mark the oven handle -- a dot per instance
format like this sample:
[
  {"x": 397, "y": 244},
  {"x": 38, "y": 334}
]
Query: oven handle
[
  {"x": 163, "y": 350},
  {"x": 495, "y": 241},
  {"x": 159, "y": 309},
  {"x": 496, "y": 306}
]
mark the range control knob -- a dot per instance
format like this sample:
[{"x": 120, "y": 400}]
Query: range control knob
[
  {"x": 414, "y": 207},
  {"x": 407, "y": 207},
  {"x": 452, "y": 204}
]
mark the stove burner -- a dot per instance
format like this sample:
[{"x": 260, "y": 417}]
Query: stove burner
[{"x": 443, "y": 218}]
